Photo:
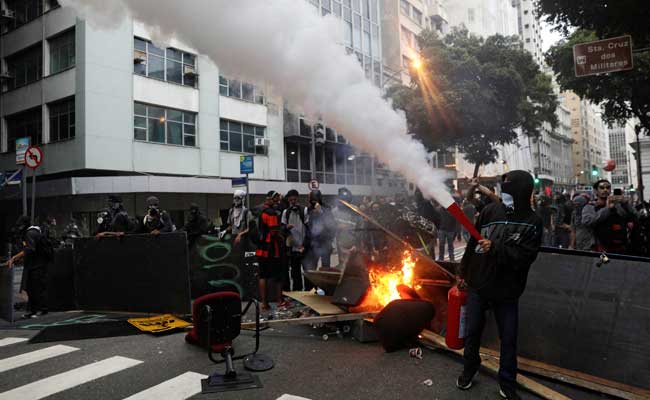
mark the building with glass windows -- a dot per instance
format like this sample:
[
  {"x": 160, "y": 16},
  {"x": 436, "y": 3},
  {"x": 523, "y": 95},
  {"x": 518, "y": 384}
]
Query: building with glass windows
[{"x": 114, "y": 113}]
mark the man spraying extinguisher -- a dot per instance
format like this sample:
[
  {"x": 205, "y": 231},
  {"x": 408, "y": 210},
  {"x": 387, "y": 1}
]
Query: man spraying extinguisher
[{"x": 495, "y": 270}]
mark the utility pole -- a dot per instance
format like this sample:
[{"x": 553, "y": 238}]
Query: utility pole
[{"x": 639, "y": 167}]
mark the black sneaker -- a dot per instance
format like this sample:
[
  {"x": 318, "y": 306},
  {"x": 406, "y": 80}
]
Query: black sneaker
[
  {"x": 508, "y": 393},
  {"x": 464, "y": 381}
]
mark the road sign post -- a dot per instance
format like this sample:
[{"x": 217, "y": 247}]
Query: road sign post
[
  {"x": 33, "y": 160},
  {"x": 247, "y": 166},
  {"x": 21, "y": 147},
  {"x": 603, "y": 56}
]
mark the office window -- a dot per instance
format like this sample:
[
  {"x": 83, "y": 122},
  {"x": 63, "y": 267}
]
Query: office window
[
  {"x": 373, "y": 11},
  {"x": 62, "y": 120},
  {"x": 25, "y": 11},
  {"x": 417, "y": 16},
  {"x": 25, "y": 124},
  {"x": 240, "y": 137},
  {"x": 25, "y": 67},
  {"x": 170, "y": 65},
  {"x": 405, "y": 8},
  {"x": 336, "y": 8},
  {"x": 62, "y": 52},
  {"x": 357, "y": 32},
  {"x": 164, "y": 125},
  {"x": 470, "y": 15},
  {"x": 241, "y": 90}
]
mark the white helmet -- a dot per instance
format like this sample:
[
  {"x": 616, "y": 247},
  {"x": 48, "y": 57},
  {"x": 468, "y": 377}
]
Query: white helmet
[{"x": 240, "y": 194}]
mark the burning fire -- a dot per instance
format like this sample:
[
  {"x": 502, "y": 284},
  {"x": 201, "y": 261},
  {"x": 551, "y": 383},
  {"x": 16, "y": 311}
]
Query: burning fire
[{"x": 384, "y": 284}]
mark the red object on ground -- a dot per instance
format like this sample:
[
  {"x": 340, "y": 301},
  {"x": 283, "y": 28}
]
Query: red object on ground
[
  {"x": 460, "y": 217},
  {"x": 456, "y": 323}
]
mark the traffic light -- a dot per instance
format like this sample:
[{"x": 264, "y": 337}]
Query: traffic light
[
  {"x": 536, "y": 180},
  {"x": 594, "y": 170}
]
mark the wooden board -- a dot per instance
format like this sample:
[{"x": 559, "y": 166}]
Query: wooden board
[
  {"x": 492, "y": 365},
  {"x": 321, "y": 304},
  {"x": 576, "y": 378},
  {"x": 327, "y": 319}
]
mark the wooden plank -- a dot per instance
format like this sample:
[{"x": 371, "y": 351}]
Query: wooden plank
[
  {"x": 321, "y": 304},
  {"x": 576, "y": 378},
  {"x": 326, "y": 319},
  {"x": 489, "y": 363}
]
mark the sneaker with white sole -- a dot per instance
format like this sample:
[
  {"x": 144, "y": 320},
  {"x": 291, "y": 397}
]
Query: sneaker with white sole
[
  {"x": 464, "y": 381},
  {"x": 508, "y": 393}
]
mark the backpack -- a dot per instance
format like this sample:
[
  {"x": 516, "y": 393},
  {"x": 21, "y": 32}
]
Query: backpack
[{"x": 44, "y": 244}]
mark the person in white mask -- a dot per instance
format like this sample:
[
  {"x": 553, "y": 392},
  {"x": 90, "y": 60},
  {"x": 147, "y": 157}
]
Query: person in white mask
[{"x": 239, "y": 217}]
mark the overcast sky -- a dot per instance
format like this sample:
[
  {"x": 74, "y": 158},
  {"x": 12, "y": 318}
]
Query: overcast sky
[{"x": 549, "y": 38}]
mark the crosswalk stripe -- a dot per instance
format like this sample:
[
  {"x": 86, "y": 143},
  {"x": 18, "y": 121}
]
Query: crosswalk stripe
[
  {"x": 69, "y": 379},
  {"x": 34, "y": 356},
  {"x": 178, "y": 388},
  {"x": 12, "y": 340},
  {"x": 291, "y": 397}
]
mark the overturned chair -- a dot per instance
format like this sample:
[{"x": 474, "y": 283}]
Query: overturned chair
[{"x": 217, "y": 322}]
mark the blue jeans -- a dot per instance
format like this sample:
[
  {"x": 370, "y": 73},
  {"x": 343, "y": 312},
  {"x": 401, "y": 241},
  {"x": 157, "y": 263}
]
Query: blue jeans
[
  {"x": 446, "y": 238},
  {"x": 506, "y": 314}
]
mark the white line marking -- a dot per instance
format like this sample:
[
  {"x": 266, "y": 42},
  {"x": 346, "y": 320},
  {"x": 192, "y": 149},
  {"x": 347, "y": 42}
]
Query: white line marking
[
  {"x": 291, "y": 397},
  {"x": 11, "y": 340},
  {"x": 66, "y": 380},
  {"x": 34, "y": 356},
  {"x": 182, "y": 387}
]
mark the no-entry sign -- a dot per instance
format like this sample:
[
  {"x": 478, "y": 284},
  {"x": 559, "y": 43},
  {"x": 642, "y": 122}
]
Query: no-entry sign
[
  {"x": 33, "y": 157},
  {"x": 603, "y": 56}
]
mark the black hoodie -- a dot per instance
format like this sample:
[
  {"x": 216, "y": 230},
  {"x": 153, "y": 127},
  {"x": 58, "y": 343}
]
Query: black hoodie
[{"x": 516, "y": 234}]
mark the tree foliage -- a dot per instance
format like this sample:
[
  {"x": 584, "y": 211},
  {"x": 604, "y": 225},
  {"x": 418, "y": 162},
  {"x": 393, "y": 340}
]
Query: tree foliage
[
  {"x": 622, "y": 94},
  {"x": 475, "y": 93}
]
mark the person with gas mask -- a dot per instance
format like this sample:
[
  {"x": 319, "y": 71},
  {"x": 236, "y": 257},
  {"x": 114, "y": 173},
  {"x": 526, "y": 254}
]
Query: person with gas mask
[
  {"x": 294, "y": 221},
  {"x": 156, "y": 221},
  {"x": 239, "y": 218},
  {"x": 495, "y": 271},
  {"x": 113, "y": 221},
  {"x": 36, "y": 253},
  {"x": 70, "y": 233},
  {"x": 196, "y": 225}
]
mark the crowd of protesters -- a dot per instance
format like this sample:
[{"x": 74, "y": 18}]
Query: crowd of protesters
[{"x": 290, "y": 238}]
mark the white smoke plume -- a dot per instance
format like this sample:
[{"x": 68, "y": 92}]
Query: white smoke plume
[{"x": 286, "y": 44}]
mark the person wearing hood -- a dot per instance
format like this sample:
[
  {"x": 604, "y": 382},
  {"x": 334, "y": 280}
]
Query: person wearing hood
[
  {"x": 239, "y": 217},
  {"x": 113, "y": 221},
  {"x": 321, "y": 231},
  {"x": 196, "y": 225},
  {"x": 157, "y": 220},
  {"x": 583, "y": 238},
  {"x": 36, "y": 253},
  {"x": 495, "y": 270},
  {"x": 346, "y": 223}
]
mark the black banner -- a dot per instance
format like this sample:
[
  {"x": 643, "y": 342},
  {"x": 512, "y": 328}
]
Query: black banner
[
  {"x": 217, "y": 265},
  {"x": 585, "y": 315},
  {"x": 7, "y": 294},
  {"x": 139, "y": 273},
  {"x": 60, "y": 281}
]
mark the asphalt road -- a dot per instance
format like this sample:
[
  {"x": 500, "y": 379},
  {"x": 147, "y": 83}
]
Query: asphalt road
[{"x": 306, "y": 366}]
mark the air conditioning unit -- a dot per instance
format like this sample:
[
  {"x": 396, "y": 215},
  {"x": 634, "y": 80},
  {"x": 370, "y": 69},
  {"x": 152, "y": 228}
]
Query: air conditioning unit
[
  {"x": 8, "y": 14},
  {"x": 261, "y": 142},
  {"x": 189, "y": 70},
  {"x": 139, "y": 57},
  {"x": 319, "y": 134}
]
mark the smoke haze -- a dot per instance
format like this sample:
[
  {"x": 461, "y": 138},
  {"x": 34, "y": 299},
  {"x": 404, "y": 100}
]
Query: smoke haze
[{"x": 287, "y": 45}]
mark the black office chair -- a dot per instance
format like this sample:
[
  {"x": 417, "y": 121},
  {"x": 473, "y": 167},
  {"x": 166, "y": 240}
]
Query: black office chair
[{"x": 217, "y": 322}]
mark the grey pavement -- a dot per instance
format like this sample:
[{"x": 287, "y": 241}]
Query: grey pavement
[{"x": 306, "y": 366}]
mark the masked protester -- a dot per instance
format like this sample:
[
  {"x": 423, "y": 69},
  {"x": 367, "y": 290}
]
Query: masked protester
[
  {"x": 495, "y": 270},
  {"x": 239, "y": 217},
  {"x": 608, "y": 217},
  {"x": 71, "y": 232},
  {"x": 322, "y": 230},
  {"x": 196, "y": 225},
  {"x": 583, "y": 238},
  {"x": 113, "y": 221},
  {"x": 294, "y": 222},
  {"x": 36, "y": 253},
  {"x": 157, "y": 220},
  {"x": 346, "y": 224},
  {"x": 269, "y": 249}
]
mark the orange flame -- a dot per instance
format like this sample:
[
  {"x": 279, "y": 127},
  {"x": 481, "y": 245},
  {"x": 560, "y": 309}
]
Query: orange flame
[{"x": 383, "y": 284}]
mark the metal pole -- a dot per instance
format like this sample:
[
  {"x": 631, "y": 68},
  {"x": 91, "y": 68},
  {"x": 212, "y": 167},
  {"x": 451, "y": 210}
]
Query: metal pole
[
  {"x": 248, "y": 194},
  {"x": 23, "y": 183},
  {"x": 639, "y": 168},
  {"x": 33, "y": 195}
]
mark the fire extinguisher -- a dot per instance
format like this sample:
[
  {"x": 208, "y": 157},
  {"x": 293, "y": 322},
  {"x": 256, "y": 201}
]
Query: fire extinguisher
[{"x": 456, "y": 316}]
